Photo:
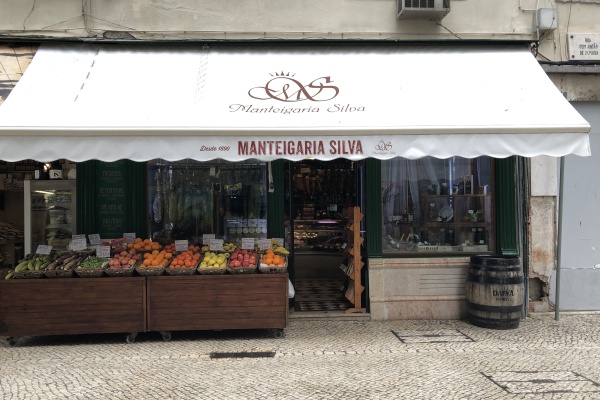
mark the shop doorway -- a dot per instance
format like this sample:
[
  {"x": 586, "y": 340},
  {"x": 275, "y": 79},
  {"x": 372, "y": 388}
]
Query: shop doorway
[{"x": 319, "y": 196}]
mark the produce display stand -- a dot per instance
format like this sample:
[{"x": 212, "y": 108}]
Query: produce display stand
[
  {"x": 70, "y": 306},
  {"x": 217, "y": 302},
  {"x": 67, "y": 306}
]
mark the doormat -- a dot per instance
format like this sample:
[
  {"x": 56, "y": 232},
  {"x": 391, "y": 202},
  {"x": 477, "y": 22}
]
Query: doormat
[
  {"x": 322, "y": 305},
  {"x": 320, "y": 295}
]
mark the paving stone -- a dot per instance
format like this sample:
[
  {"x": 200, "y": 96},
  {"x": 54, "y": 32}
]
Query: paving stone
[{"x": 542, "y": 359}]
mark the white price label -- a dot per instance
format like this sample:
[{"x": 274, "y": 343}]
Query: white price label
[
  {"x": 181, "y": 245},
  {"x": 103, "y": 251},
  {"x": 77, "y": 237},
  {"x": 344, "y": 246},
  {"x": 262, "y": 223},
  {"x": 264, "y": 244},
  {"x": 43, "y": 249},
  {"x": 129, "y": 237},
  {"x": 252, "y": 223},
  {"x": 94, "y": 239},
  {"x": 215, "y": 244},
  {"x": 78, "y": 244},
  {"x": 248, "y": 243},
  {"x": 207, "y": 237}
]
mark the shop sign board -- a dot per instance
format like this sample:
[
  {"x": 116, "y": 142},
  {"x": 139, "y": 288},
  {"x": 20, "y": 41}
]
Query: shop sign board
[
  {"x": 248, "y": 243},
  {"x": 103, "y": 251},
  {"x": 181, "y": 245},
  {"x": 43, "y": 249},
  {"x": 584, "y": 46},
  {"x": 94, "y": 239}
]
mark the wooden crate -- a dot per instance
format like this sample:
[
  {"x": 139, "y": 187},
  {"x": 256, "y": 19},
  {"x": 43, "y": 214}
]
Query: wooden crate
[
  {"x": 64, "y": 306},
  {"x": 214, "y": 302}
]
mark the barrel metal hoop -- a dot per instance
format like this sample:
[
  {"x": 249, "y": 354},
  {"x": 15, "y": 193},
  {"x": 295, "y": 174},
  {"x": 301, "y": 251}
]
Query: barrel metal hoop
[
  {"x": 495, "y": 309},
  {"x": 495, "y": 268}
]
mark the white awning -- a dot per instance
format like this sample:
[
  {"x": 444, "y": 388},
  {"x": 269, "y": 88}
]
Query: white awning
[{"x": 109, "y": 102}]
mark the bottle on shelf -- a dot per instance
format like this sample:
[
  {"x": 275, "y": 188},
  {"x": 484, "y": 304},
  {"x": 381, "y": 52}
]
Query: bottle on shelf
[
  {"x": 468, "y": 186},
  {"x": 461, "y": 186},
  {"x": 432, "y": 213}
]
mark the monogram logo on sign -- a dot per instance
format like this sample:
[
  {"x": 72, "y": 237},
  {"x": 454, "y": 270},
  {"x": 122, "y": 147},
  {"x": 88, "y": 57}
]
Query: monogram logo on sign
[
  {"x": 383, "y": 146},
  {"x": 284, "y": 87}
]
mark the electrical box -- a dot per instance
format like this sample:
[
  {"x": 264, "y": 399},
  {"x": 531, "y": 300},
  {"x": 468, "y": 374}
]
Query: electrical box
[{"x": 547, "y": 19}]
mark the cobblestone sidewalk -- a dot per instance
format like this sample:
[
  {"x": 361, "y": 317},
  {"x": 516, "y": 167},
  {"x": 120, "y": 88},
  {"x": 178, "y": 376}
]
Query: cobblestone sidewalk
[{"x": 542, "y": 359}]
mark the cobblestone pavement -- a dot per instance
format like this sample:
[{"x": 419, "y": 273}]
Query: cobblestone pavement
[{"x": 542, "y": 359}]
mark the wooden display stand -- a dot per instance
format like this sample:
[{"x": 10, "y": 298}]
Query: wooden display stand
[
  {"x": 67, "y": 306},
  {"x": 354, "y": 262},
  {"x": 70, "y": 306},
  {"x": 209, "y": 302}
]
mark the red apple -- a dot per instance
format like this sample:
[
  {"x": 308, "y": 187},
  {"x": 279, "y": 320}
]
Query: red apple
[{"x": 245, "y": 263}]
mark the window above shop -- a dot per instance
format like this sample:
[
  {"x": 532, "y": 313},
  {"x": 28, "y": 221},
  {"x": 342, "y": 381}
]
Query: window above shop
[{"x": 435, "y": 205}]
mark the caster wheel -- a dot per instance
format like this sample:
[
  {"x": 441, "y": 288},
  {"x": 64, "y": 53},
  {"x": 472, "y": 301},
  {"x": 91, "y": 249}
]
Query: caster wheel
[
  {"x": 10, "y": 342},
  {"x": 130, "y": 338},
  {"x": 277, "y": 333},
  {"x": 166, "y": 336}
]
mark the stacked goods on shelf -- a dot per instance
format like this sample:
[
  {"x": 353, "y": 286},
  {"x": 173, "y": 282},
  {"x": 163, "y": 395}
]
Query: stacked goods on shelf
[
  {"x": 142, "y": 245},
  {"x": 213, "y": 263},
  {"x": 31, "y": 266},
  {"x": 116, "y": 245},
  {"x": 154, "y": 262},
  {"x": 64, "y": 265},
  {"x": 272, "y": 262},
  {"x": 91, "y": 267},
  {"x": 185, "y": 262},
  {"x": 242, "y": 262},
  {"x": 122, "y": 264},
  {"x": 9, "y": 232}
]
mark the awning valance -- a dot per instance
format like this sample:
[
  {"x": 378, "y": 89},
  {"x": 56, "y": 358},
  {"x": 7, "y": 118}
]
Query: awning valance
[{"x": 109, "y": 102}]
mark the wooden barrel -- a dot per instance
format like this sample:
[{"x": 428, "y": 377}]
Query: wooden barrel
[{"x": 495, "y": 291}]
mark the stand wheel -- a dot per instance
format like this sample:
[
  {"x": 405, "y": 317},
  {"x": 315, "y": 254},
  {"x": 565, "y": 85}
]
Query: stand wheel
[
  {"x": 166, "y": 336},
  {"x": 11, "y": 341},
  {"x": 277, "y": 333},
  {"x": 131, "y": 337}
]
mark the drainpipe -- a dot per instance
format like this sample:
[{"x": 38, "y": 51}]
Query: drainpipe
[{"x": 559, "y": 238}]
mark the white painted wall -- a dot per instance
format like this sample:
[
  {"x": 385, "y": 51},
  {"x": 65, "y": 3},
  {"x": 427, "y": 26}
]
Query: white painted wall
[
  {"x": 580, "y": 261},
  {"x": 301, "y": 19}
]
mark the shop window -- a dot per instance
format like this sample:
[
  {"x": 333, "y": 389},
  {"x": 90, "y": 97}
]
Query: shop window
[
  {"x": 187, "y": 199},
  {"x": 435, "y": 205}
]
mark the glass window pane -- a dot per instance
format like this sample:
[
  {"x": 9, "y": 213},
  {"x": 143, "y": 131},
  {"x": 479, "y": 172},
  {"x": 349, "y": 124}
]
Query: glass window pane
[
  {"x": 188, "y": 198},
  {"x": 431, "y": 205}
]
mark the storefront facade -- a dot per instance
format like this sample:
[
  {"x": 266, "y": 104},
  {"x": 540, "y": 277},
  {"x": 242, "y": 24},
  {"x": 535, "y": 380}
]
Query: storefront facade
[{"x": 410, "y": 107}]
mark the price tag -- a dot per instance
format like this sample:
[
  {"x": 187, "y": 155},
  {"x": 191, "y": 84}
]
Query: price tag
[
  {"x": 215, "y": 244},
  {"x": 264, "y": 244},
  {"x": 262, "y": 223},
  {"x": 181, "y": 245},
  {"x": 43, "y": 249},
  {"x": 77, "y": 237},
  {"x": 94, "y": 239},
  {"x": 207, "y": 237},
  {"x": 103, "y": 251},
  {"x": 252, "y": 223},
  {"x": 343, "y": 246},
  {"x": 129, "y": 237},
  {"x": 248, "y": 243},
  {"x": 78, "y": 244}
]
